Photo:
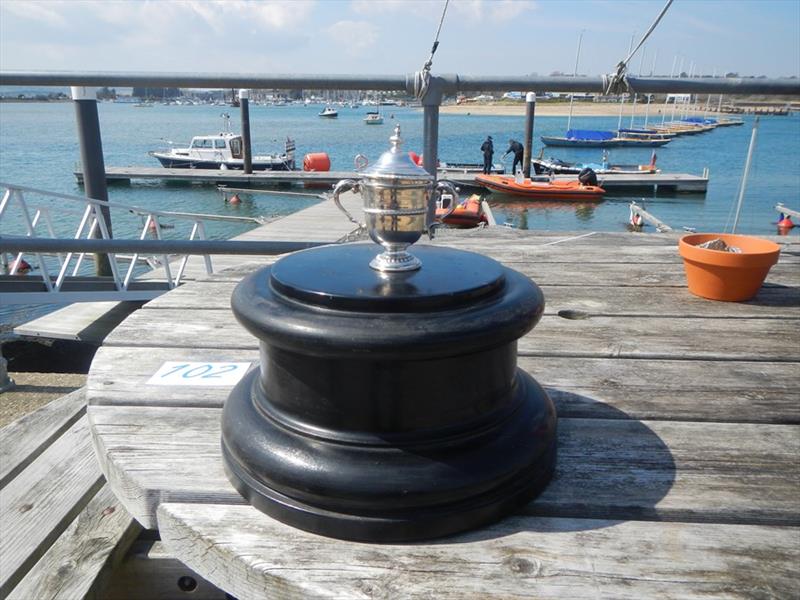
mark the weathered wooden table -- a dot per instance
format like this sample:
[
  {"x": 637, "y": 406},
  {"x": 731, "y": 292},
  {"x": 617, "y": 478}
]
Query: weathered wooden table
[{"x": 679, "y": 444}]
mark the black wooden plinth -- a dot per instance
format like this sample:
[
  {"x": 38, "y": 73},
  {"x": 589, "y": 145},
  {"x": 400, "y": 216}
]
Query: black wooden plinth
[{"x": 388, "y": 407}]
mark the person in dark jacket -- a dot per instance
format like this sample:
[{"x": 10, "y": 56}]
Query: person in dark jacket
[
  {"x": 488, "y": 152},
  {"x": 515, "y": 147}
]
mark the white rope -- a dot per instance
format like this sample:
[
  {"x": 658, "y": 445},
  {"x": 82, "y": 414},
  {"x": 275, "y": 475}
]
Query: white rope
[
  {"x": 422, "y": 78},
  {"x": 616, "y": 81}
]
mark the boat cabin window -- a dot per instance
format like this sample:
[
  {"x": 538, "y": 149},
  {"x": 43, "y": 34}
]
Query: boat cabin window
[
  {"x": 220, "y": 144},
  {"x": 202, "y": 143},
  {"x": 236, "y": 147}
]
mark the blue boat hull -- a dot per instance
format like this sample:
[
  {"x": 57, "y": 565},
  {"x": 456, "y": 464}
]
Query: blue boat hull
[
  {"x": 192, "y": 163},
  {"x": 612, "y": 143}
]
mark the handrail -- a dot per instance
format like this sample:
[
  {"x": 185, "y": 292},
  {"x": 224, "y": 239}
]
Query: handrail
[
  {"x": 446, "y": 83},
  {"x": 133, "y": 209},
  {"x": 116, "y": 246}
]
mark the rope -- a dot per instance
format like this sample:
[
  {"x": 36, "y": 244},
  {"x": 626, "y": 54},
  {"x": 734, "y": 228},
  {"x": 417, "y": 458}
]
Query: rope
[
  {"x": 616, "y": 82},
  {"x": 422, "y": 78}
]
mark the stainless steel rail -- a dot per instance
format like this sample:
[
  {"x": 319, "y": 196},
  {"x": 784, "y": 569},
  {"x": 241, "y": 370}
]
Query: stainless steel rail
[
  {"x": 182, "y": 247},
  {"x": 445, "y": 83}
]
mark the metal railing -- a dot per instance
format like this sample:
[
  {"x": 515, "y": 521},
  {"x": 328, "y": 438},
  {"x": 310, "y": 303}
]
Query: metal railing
[{"x": 58, "y": 260}]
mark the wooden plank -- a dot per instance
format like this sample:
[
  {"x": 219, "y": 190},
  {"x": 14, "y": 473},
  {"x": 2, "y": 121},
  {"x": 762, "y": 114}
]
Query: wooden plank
[
  {"x": 671, "y": 471},
  {"x": 593, "y": 300},
  {"x": 40, "y": 502},
  {"x": 27, "y": 437},
  {"x": 254, "y": 557},
  {"x": 88, "y": 322},
  {"x": 72, "y": 567},
  {"x": 149, "y": 571},
  {"x": 691, "y": 390},
  {"x": 595, "y": 337}
]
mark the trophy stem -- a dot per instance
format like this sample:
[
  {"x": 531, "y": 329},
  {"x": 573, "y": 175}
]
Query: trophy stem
[{"x": 395, "y": 259}]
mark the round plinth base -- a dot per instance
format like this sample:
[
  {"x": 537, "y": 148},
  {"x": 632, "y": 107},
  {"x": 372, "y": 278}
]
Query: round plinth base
[
  {"x": 387, "y": 492},
  {"x": 388, "y": 406}
]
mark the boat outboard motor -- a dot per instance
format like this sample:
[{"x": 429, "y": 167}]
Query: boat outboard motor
[{"x": 587, "y": 177}]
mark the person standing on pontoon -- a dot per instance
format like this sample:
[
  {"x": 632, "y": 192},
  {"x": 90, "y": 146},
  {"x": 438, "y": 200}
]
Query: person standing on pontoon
[
  {"x": 518, "y": 150},
  {"x": 488, "y": 152}
]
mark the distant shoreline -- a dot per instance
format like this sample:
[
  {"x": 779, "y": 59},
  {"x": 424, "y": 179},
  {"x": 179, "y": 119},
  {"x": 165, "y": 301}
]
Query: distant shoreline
[{"x": 560, "y": 109}]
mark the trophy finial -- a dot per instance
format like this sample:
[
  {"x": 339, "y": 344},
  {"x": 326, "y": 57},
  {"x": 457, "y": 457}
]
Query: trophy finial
[{"x": 396, "y": 140}]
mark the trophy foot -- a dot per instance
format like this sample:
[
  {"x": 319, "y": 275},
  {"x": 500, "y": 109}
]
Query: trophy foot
[{"x": 393, "y": 262}]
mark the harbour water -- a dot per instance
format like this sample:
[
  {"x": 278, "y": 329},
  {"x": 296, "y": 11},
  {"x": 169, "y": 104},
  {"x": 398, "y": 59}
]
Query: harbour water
[{"x": 39, "y": 148}]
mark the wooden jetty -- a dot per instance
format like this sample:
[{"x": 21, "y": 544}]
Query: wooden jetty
[
  {"x": 618, "y": 183},
  {"x": 679, "y": 432}
]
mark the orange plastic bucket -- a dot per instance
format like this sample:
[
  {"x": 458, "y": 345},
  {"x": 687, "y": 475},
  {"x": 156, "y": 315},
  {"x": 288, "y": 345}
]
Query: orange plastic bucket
[{"x": 727, "y": 276}]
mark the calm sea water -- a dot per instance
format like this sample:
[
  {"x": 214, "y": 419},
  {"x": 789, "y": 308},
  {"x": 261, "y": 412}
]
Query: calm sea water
[{"x": 39, "y": 148}]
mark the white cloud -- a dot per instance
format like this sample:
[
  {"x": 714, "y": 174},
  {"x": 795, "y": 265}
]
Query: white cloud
[
  {"x": 36, "y": 11},
  {"x": 354, "y": 36},
  {"x": 495, "y": 11}
]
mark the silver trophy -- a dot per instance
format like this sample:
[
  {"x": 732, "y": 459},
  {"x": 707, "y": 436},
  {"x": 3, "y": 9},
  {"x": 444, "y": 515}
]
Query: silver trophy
[{"x": 396, "y": 193}]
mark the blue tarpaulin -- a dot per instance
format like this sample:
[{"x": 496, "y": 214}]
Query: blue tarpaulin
[{"x": 590, "y": 134}]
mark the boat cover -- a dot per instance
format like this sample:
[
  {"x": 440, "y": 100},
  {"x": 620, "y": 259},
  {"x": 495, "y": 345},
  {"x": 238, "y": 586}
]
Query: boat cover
[
  {"x": 589, "y": 134},
  {"x": 700, "y": 120},
  {"x": 624, "y": 130}
]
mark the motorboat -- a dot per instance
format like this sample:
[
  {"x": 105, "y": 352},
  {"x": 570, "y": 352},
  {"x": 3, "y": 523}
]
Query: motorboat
[
  {"x": 329, "y": 113},
  {"x": 561, "y": 190},
  {"x": 223, "y": 150},
  {"x": 373, "y": 118},
  {"x": 465, "y": 168},
  {"x": 468, "y": 213},
  {"x": 545, "y": 166}
]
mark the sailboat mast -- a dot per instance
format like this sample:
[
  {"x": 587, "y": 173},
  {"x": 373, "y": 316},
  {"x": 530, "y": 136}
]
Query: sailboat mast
[
  {"x": 650, "y": 96},
  {"x": 575, "y": 74},
  {"x": 622, "y": 101},
  {"x": 666, "y": 100},
  {"x": 633, "y": 106},
  {"x": 675, "y": 101}
]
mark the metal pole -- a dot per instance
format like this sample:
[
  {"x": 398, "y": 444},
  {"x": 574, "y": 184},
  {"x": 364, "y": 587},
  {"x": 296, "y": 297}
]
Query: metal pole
[
  {"x": 94, "y": 169},
  {"x": 430, "y": 149},
  {"x": 244, "y": 106},
  {"x": 743, "y": 185},
  {"x": 530, "y": 111}
]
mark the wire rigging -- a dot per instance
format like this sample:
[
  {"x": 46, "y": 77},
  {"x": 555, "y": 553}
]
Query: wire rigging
[
  {"x": 616, "y": 81},
  {"x": 422, "y": 79}
]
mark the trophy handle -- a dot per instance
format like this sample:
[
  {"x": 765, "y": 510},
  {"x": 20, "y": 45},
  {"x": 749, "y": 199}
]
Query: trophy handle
[{"x": 343, "y": 186}]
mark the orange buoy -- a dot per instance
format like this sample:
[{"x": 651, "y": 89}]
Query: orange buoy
[
  {"x": 786, "y": 223},
  {"x": 317, "y": 161},
  {"x": 235, "y": 199}
]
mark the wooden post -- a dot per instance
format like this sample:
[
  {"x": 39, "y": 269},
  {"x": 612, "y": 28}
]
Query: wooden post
[
  {"x": 530, "y": 111},
  {"x": 94, "y": 169},
  {"x": 244, "y": 106}
]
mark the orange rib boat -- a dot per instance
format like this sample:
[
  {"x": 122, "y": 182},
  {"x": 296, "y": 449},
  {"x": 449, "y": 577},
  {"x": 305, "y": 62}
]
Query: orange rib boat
[
  {"x": 469, "y": 213},
  {"x": 562, "y": 190}
]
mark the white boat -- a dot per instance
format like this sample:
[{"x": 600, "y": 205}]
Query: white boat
[
  {"x": 223, "y": 150},
  {"x": 373, "y": 118},
  {"x": 329, "y": 112}
]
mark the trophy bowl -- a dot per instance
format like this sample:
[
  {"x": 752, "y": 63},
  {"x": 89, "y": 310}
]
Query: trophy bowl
[{"x": 396, "y": 194}]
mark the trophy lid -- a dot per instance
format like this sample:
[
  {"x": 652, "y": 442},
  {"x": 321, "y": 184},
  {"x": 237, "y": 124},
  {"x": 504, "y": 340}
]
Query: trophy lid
[{"x": 396, "y": 163}]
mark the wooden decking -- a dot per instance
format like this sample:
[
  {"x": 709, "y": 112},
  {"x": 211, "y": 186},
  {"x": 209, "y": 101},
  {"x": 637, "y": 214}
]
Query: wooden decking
[
  {"x": 676, "y": 182},
  {"x": 677, "y": 475}
]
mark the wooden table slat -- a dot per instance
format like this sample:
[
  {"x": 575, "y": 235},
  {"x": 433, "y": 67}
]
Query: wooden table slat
[{"x": 255, "y": 557}]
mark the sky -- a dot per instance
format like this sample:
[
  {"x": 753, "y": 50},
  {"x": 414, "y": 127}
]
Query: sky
[{"x": 391, "y": 37}]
